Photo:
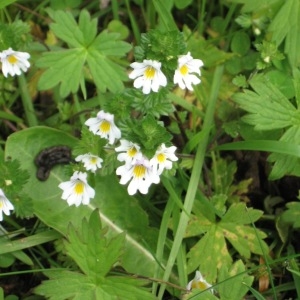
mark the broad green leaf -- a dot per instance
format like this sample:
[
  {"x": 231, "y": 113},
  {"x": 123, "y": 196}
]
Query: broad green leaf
[
  {"x": 118, "y": 211},
  {"x": 64, "y": 68},
  {"x": 233, "y": 281},
  {"x": 240, "y": 43},
  {"x": 211, "y": 252},
  {"x": 268, "y": 108},
  {"x": 292, "y": 214},
  {"x": 63, "y": 285}
]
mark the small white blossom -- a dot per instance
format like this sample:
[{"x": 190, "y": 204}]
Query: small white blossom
[
  {"x": 104, "y": 126},
  {"x": 148, "y": 75},
  {"x": 128, "y": 151},
  {"x": 184, "y": 75},
  {"x": 5, "y": 205},
  {"x": 90, "y": 161},
  {"x": 77, "y": 190},
  {"x": 140, "y": 173},
  {"x": 163, "y": 158},
  {"x": 198, "y": 283},
  {"x": 14, "y": 61}
]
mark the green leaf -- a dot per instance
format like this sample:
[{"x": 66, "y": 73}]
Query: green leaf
[
  {"x": 61, "y": 67},
  {"x": 66, "y": 67},
  {"x": 286, "y": 164},
  {"x": 65, "y": 285},
  {"x": 211, "y": 252},
  {"x": 291, "y": 215},
  {"x": 286, "y": 25},
  {"x": 181, "y": 4},
  {"x": 240, "y": 43},
  {"x": 268, "y": 108},
  {"x": 91, "y": 249},
  {"x": 66, "y": 28},
  {"x": 118, "y": 211},
  {"x": 5, "y": 3},
  {"x": 233, "y": 281}
]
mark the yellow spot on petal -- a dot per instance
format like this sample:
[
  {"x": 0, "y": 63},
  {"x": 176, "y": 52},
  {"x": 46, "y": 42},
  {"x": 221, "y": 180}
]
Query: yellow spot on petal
[
  {"x": 1, "y": 203},
  {"x": 12, "y": 59},
  {"x": 161, "y": 158},
  {"x": 149, "y": 73},
  {"x": 184, "y": 70},
  {"x": 93, "y": 160},
  {"x": 79, "y": 187},
  {"x": 132, "y": 152},
  {"x": 104, "y": 126},
  {"x": 199, "y": 285},
  {"x": 139, "y": 171}
]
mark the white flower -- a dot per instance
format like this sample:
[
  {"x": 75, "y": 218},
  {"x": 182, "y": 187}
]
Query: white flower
[
  {"x": 14, "y": 61},
  {"x": 129, "y": 151},
  {"x": 104, "y": 126},
  {"x": 5, "y": 205},
  {"x": 91, "y": 162},
  {"x": 163, "y": 158},
  {"x": 198, "y": 283},
  {"x": 141, "y": 174},
  {"x": 77, "y": 190},
  {"x": 184, "y": 74},
  {"x": 147, "y": 75}
]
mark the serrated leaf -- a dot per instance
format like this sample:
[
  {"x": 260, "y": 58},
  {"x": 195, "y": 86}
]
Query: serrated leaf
[
  {"x": 292, "y": 214},
  {"x": 65, "y": 67},
  {"x": 212, "y": 252},
  {"x": 233, "y": 281},
  {"x": 63, "y": 285},
  {"x": 92, "y": 250},
  {"x": 61, "y": 67},
  {"x": 268, "y": 107},
  {"x": 66, "y": 28},
  {"x": 286, "y": 164}
]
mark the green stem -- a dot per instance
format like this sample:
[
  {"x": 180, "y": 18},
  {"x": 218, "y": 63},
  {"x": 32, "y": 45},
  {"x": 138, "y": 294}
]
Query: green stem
[
  {"x": 27, "y": 102},
  {"x": 195, "y": 176}
]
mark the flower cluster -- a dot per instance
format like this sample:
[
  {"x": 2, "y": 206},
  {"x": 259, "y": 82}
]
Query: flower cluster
[
  {"x": 148, "y": 75},
  {"x": 13, "y": 62},
  {"x": 140, "y": 171},
  {"x": 5, "y": 205}
]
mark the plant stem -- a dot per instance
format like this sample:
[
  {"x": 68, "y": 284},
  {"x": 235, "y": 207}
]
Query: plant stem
[
  {"x": 27, "y": 102},
  {"x": 195, "y": 176}
]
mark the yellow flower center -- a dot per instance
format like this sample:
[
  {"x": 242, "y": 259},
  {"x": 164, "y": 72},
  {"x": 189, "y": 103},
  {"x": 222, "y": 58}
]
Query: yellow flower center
[
  {"x": 199, "y": 285},
  {"x": 139, "y": 171},
  {"x": 161, "y": 158},
  {"x": 79, "y": 187},
  {"x": 104, "y": 126},
  {"x": 149, "y": 73},
  {"x": 132, "y": 152},
  {"x": 12, "y": 59},
  {"x": 184, "y": 70},
  {"x": 93, "y": 160}
]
